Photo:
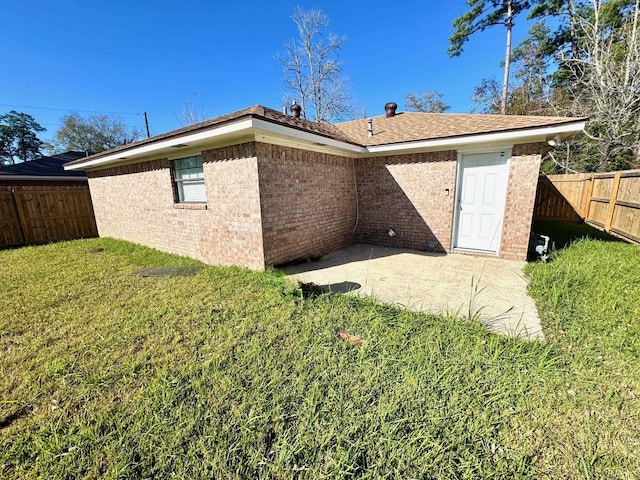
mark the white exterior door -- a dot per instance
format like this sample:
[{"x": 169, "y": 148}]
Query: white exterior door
[{"x": 482, "y": 192}]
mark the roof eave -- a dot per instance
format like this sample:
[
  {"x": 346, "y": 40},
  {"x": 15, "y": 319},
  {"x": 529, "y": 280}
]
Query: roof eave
[
  {"x": 247, "y": 125},
  {"x": 234, "y": 128},
  {"x": 516, "y": 136},
  {"x": 251, "y": 124},
  {"x": 280, "y": 130}
]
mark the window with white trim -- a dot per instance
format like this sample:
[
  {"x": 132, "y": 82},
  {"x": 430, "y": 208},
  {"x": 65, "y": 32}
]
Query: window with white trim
[{"x": 188, "y": 175}]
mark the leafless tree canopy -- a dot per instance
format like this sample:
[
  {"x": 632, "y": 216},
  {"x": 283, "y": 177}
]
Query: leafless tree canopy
[
  {"x": 585, "y": 62},
  {"x": 607, "y": 87},
  {"x": 313, "y": 75},
  {"x": 189, "y": 113},
  {"x": 425, "y": 101}
]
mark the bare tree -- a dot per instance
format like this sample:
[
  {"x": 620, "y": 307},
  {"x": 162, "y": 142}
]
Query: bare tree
[
  {"x": 190, "y": 114},
  {"x": 607, "y": 89},
  {"x": 425, "y": 101},
  {"x": 313, "y": 75},
  {"x": 487, "y": 96}
]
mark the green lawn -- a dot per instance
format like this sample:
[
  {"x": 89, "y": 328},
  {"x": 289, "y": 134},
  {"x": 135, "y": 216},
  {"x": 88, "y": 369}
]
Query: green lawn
[{"x": 231, "y": 374}]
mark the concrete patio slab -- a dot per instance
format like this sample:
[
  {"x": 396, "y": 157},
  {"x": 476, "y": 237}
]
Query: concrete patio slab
[{"x": 493, "y": 288}]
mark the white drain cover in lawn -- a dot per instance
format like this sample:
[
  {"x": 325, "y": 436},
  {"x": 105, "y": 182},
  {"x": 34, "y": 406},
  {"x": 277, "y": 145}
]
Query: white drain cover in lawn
[{"x": 178, "y": 271}]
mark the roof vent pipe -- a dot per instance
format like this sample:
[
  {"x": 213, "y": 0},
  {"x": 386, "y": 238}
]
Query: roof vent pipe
[
  {"x": 370, "y": 127},
  {"x": 295, "y": 109},
  {"x": 390, "y": 109}
]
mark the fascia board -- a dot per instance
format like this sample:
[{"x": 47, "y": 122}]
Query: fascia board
[
  {"x": 306, "y": 137},
  {"x": 285, "y": 141},
  {"x": 233, "y": 128},
  {"x": 255, "y": 125},
  {"x": 484, "y": 148},
  {"x": 242, "y": 127},
  {"x": 519, "y": 136}
]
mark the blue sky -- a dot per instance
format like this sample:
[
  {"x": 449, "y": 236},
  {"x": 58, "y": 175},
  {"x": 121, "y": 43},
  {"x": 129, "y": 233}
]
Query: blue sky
[{"x": 133, "y": 56}]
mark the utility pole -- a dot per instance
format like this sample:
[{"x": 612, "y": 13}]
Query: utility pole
[{"x": 146, "y": 123}]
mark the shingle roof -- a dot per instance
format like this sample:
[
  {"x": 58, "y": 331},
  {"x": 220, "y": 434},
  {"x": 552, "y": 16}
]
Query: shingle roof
[
  {"x": 403, "y": 127},
  {"x": 257, "y": 111},
  {"x": 413, "y": 126},
  {"x": 51, "y": 166},
  {"x": 324, "y": 129}
]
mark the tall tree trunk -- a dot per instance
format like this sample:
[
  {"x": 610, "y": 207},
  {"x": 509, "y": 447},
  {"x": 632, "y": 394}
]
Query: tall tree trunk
[
  {"x": 573, "y": 33},
  {"x": 634, "y": 39},
  {"x": 507, "y": 60}
]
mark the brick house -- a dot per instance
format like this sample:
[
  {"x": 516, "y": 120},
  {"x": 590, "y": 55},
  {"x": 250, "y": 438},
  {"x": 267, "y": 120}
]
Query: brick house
[{"x": 259, "y": 188}]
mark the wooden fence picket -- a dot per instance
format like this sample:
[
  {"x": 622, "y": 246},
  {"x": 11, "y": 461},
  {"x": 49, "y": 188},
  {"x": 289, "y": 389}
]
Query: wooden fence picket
[
  {"x": 32, "y": 215},
  {"x": 609, "y": 201}
]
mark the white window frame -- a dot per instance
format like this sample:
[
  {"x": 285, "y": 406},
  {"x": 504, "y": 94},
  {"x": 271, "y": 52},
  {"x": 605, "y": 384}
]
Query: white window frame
[{"x": 195, "y": 178}]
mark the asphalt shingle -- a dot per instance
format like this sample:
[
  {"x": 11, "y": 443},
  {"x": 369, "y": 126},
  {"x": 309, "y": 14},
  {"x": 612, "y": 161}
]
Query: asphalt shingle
[
  {"x": 51, "y": 166},
  {"x": 403, "y": 127},
  {"x": 414, "y": 126}
]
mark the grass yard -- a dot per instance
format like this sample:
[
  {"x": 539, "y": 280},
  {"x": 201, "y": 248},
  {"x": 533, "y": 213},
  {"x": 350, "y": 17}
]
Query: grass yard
[{"x": 231, "y": 374}]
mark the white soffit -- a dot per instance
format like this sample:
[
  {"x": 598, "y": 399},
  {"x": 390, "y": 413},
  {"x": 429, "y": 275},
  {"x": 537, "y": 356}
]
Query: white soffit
[
  {"x": 156, "y": 147},
  {"x": 291, "y": 136},
  {"x": 541, "y": 134},
  {"x": 251, "y": 125},
  {"x": 289, "y": 133}
]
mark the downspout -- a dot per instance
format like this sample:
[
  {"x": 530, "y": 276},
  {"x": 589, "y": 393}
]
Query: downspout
[{"x": 355, "y": 187}]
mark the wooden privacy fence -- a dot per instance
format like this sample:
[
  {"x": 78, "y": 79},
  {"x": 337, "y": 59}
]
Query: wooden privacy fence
[
  {"x": 33, "y": 215},
  {"x": 609, "y": 201},
  {"x": 554, "y": 204}
]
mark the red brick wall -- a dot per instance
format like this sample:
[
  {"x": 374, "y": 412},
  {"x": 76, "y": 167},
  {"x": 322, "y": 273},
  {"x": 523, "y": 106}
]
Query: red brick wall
[
  {"x": 521, "y": 195},
  {"x": 407, "y": 193},
  {"x": 136, "y": 203},
  {"x": 307, "y": 201},
  {"x": 267, "y": 204}
]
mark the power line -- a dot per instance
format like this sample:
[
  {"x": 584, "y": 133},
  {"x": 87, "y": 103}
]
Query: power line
[
  {"x": 139, "y": 127},
  {"x": 67, "y": 109}
]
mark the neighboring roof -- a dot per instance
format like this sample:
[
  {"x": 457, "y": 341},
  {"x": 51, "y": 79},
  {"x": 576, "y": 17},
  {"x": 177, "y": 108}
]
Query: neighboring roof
[
  {"x": 414, "y": 126},
  {"x": 51, "y": 166},
  {"x": 402, "y": 132}
]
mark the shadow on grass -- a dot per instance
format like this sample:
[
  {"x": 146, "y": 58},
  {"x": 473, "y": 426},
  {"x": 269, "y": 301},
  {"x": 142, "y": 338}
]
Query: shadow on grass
[
  {"x": 563, "y": 234},
  {"x": 310, "y": 290}
]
